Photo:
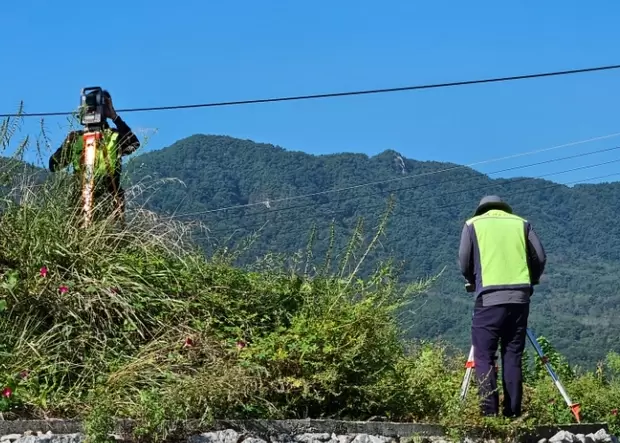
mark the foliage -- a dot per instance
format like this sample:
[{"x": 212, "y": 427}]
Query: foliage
[{"x": 135, "y": 321}]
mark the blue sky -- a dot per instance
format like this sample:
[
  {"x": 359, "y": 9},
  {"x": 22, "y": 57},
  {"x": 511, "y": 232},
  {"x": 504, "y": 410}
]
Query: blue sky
[{"x": 161, "y": 53}]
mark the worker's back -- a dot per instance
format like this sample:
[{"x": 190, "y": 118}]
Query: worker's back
[{"x": 500, "y": 257}]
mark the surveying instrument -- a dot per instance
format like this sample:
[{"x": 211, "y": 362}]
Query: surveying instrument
[
  {"x": 92, "y": 117},
  {"x": 470, "y": 365}
]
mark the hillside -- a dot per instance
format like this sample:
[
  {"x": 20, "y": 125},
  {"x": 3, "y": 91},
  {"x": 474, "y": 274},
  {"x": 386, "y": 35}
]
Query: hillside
[{"x": 577, "y": 305}]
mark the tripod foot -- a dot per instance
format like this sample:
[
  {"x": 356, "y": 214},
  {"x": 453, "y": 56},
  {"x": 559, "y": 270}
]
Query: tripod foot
[{"x": 576, "y": 409}]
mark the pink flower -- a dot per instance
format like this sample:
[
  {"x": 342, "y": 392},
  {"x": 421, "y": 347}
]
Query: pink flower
[
  {"x": 240, "y": 344},
  {"x": 43, "y": 271},
  {"x": 23, "y": 374},
  {"x": 7, "y": 392},
  {"x": 614, "y": 412},
  {"x": 63, "y": 289},
  {"x": 188, "y": 343}
]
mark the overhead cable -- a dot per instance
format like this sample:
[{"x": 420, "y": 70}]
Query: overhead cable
[
  {"x": 458, "y": 191},
  {"x": 337, "y": 94},
  {"x": 416, "y": 210},
  {"x": 408, "y": 177}
]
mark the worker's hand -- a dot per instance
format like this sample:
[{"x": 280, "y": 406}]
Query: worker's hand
[{"x": 110, "y": 111}]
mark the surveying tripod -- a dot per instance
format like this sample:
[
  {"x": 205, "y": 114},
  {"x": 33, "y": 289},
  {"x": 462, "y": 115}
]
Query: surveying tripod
[
  {"x": 92, "y": 117},
  {"x": 470, "y": 365}
]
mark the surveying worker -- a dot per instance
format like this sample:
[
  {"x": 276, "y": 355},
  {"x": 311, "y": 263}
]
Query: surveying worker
[
  {"x": 502, "y": 259},
  {"x": 119, "y": 141}
]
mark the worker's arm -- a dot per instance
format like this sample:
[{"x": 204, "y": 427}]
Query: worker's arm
[
  {"x": 127, "y": 141},
  {"x": 538, "y": 256},
  {"x": 62, "y": 157},
  {"x": 466, "y": 251}
]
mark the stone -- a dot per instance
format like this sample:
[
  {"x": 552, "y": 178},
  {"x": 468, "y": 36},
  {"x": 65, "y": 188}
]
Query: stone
[
  {"x": 50, "y": 438},
  {"x": 313, "y": 438},
  {"x": 365, "y": 438},
  {"x": 347, "y": 438},
  {"x": 601, "y": 436},
  {"x": 562, "y": 437},
  {"x": 10, "y": 437},
  {"x": 580, "y": 438},
  {"x": 227, "y": 436}
]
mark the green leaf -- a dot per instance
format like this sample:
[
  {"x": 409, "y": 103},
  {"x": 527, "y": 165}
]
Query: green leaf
[
  {"x": 2, "y": 305},
  {"x": 11, "y": 281}
]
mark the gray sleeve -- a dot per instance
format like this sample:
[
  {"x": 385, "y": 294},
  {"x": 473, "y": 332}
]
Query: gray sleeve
[
  {"x": 539, "y": 255},
  {"x": 466, "y": 255}
]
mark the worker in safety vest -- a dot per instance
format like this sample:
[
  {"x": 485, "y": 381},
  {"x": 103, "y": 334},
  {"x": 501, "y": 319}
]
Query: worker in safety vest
[
  {"x": 501, "y": 256},
  {"x": 119, "y": 141}
]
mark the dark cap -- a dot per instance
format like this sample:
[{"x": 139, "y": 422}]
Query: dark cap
[{"x": 492, "y": 202}]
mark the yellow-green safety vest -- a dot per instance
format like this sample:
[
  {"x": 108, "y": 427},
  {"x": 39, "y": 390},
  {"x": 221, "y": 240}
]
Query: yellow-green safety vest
[
  {"x": 104, "y": 164},
  {"x": 500, "y": 251}
]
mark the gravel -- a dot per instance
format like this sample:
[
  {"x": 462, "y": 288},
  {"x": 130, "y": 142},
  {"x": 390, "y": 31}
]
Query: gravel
[{"x": 232, "y": 436}]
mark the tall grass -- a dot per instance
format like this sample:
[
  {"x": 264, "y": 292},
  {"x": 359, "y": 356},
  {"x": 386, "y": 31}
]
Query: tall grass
[{"x": 134, "y": 321}]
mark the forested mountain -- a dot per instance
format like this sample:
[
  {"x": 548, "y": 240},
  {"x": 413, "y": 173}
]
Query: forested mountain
[{"x": 577, "y": 305}]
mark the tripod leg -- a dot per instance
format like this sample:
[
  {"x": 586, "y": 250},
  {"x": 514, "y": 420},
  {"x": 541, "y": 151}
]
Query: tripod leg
[
  {"x": 468, "y": 371},
  {"x": 575, "y": 407}
]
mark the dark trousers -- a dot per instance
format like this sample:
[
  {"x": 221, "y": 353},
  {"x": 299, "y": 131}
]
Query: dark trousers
[{"x": 505, "y": 325}]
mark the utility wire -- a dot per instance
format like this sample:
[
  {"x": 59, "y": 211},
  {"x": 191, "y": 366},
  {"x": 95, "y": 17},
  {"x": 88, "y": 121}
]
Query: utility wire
[
  {"x": 421, "y": 185},
  {"x": 449, "y": 205},
  {"x": 456, "y": 192},
  {"x": 339, "y": 94},
  {"x": 536, "y": 189},
  {"x": 381, "y": 182}
]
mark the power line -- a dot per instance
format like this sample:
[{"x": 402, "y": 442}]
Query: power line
[
  {"x": 453, "y": 205},
  {"x": 407, "y": 188},
  {"x": 338, "y": 94},
  {"x": 456, "y": 192},
  {"x": 381, "y": 182},
  {"x": 552, "y": 185}
]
